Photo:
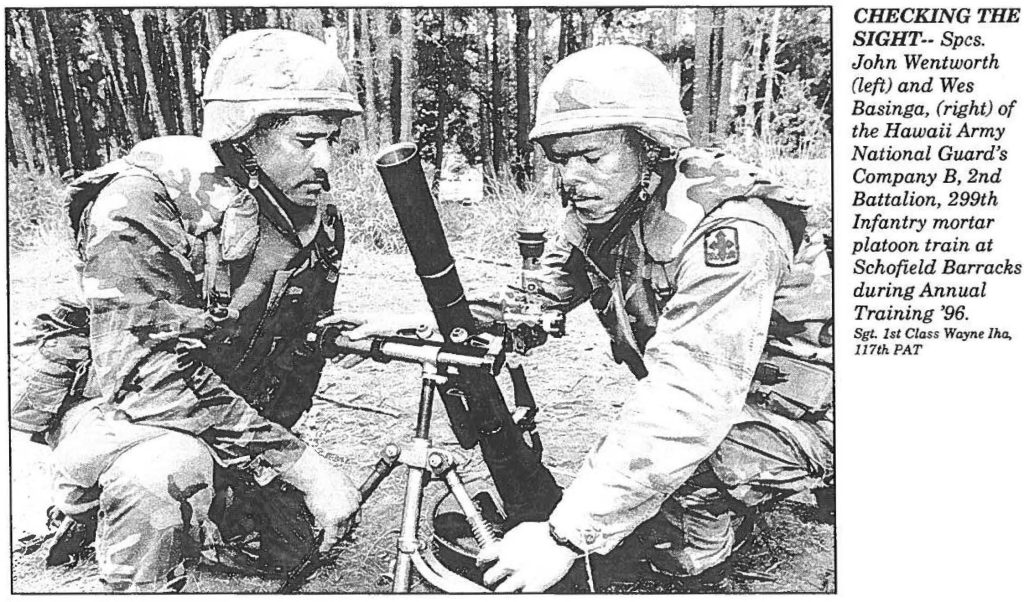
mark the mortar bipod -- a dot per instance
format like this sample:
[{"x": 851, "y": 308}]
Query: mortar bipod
[{"x": 424, "y": 461}]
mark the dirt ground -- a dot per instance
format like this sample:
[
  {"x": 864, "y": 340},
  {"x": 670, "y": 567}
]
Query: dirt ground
[{"x": 577, "y": 385}]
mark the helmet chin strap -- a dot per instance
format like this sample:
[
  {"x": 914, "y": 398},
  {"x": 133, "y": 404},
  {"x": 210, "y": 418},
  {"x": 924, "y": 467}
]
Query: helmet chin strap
[{"x": 242, "y": 156}]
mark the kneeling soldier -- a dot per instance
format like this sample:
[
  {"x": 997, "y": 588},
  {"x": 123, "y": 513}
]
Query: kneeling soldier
[
  {"x": 202, "y": 261},
  {"x": 699, "y": 270}
]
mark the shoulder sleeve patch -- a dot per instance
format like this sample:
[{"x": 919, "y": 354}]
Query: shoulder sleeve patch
[{"x": 722, "y": 247}]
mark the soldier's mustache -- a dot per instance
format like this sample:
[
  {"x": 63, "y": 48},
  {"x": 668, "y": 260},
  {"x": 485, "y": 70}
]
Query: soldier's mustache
[
  {"x": 321, "y": 178},
  {"x": 571, "y": 195}
]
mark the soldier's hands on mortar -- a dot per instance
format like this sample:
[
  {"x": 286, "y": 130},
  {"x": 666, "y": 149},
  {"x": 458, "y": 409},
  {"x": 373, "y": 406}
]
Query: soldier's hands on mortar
[
  {"x": 331, "y": 496},
  {"x": 527, "y": 559}
]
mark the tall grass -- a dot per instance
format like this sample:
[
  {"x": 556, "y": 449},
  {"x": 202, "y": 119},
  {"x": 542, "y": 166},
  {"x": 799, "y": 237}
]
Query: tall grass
[
  {"x": 808, "y": 171},
  {"x": 35, "y": 211},
  {"x": 359, "y": 193},
  {"x": 487, "y": 228},
  {"x": 484, "y": 227}
]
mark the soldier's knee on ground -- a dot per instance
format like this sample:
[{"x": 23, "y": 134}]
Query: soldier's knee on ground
[{"x": 154, "y": 498}]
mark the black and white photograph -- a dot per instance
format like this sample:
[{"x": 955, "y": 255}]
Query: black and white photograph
[{"x": 421, "y": 299}]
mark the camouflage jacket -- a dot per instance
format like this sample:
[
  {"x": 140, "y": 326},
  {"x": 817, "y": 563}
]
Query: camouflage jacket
[
  {"x": 691, "y": 297},
  {"x": 211, "y": 348}
]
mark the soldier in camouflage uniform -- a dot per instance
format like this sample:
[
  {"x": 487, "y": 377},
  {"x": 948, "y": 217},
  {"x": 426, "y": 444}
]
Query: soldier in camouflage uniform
[
  {"x": 700, "y": 271},
  {"x": 202, "y": 263}
]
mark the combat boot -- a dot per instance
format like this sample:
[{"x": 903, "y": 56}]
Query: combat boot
[
  {"x": 696, "y": 532},
  {"x": 73, "y": 537}
]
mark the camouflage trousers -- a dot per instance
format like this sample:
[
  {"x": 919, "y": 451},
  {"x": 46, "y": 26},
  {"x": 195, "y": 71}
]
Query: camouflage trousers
[
  {"x": 763, "y": 458},
  {"x": 163, "y": 505}
]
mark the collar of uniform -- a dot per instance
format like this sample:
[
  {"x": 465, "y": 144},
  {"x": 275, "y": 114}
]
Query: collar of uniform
[{"x": 279, "y": 217}]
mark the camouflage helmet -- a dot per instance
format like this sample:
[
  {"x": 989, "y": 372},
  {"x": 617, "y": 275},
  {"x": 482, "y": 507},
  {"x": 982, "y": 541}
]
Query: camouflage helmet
[
  {"x": 271, "y": 71},
  {"x": 611, "y": 86}
]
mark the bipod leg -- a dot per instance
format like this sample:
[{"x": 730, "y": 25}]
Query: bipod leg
[
  {"x": 408, "y": 539},
  {"x": 387, "y": 462}
]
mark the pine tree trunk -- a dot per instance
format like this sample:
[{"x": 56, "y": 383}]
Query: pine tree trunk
[
  {"x": 164, "y": 71},
  {"x": 540, "y": 70},
  {"x": 700, "y": 118},
  {"x": 497, "y": 98},
  {"x": 588, "y": 17},
  {"x": 40, "y": 132},
  {"x": 183, "y": 75},
  {"x": 81, "y": 91},
  {"x": 351, "y": 24},
  {"x": 524, "y": 163},
  {"x": 484, "y": 118},
  {"x": 12, "y": 149},
  {"x": 17, "y": 149},
  {"x": 731, "y": 44},
  {"x": 195, "y": 81},
  {"x": 382, "y": 57},
  {"x": 442, "y": 102},
  {"x": 769, "y": 75},
  {"x": 153, "y": 100},
  {"x": 214, "y": 27},
  {"x": 53, "y": 113},
  {"x": 715, "y": 80},
  {"x": 233, "y": 20},
  {"x": 565, "y": 32},
  {"x": 754, "y": 88},
  {"x": 366, "y": 64},
  {"x": 112, "y": 53},
  {"x": 19, "y": 90},
  {"x": 66, "y": 74},
  {"x": 408, "y": 41},
  {"x": 540, "y": 28},
  {"x": 131, "y": 64},
  {"x": 18, "y": 146}
]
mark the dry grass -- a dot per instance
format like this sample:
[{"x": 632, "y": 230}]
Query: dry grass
[
  {"x": 483, "y": 226},
  {"x": 809, "y": 172},
  {"x": 35, "y": 211}
]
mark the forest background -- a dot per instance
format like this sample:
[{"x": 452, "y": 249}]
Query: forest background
[{"x": 84, "y": 85}]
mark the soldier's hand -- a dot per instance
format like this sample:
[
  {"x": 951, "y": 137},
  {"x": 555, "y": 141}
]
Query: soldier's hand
[
  {"x": 527, "y": 559},
  {"x": 382, "y": 323},
  {"x": 331, "y": 496}
]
